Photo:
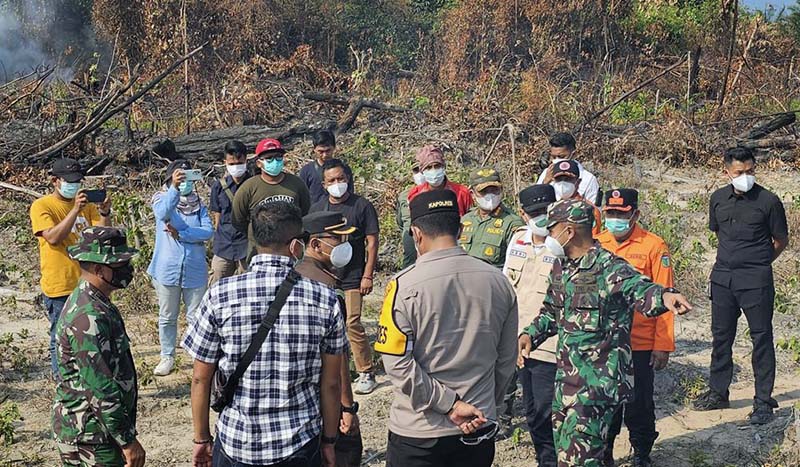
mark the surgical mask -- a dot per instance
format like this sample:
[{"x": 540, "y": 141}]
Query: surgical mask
[
  {"x": 538, "y": 225},
  {"x": 237, "y": 170},
  {"x": 488, "y": 202},
  {"x": 185, "y": 187},
  {"x": 434, "y": 177},
  {"x": 563, "y": 189},
  {"x": 555, "y": 246},
  {"x": 617, "y": 226},
  {"x": 743, "y": 182},
  {"x": 69, "y": 189},
  {"x": 337, "y": 190},
  {"x": 303, "y": 248},
  {"x": 121, "y": 277},
  {"x": 272, "y": 167},
  {"x": 419, "y": 178},
  {"x": 341, "y": 254}
]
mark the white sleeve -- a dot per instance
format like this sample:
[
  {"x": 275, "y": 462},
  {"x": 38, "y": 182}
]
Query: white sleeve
[
  {"x": 589, "y": 187},
  {"x": 540, "y": 180}
]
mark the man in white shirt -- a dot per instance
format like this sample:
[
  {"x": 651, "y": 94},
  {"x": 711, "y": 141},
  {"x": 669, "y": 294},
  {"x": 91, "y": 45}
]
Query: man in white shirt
[{"x": 562, "y": 147}]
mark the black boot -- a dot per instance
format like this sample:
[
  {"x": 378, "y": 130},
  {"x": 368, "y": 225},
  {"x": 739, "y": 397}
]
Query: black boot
[{"x": 641, "y": 453}]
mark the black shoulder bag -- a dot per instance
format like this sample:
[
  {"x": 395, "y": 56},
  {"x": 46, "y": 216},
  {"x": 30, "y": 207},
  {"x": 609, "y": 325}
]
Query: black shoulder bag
[{"x": 223, "y": 391}]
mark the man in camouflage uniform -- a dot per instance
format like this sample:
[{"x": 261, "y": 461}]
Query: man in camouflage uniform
[
  {"x": 487, "y": 228},
  {"x": 589, "y": 305},
  {"x": 94, "y": 412}
]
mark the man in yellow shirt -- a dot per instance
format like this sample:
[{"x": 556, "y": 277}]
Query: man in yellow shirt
[{"x": 57, "y": 220}]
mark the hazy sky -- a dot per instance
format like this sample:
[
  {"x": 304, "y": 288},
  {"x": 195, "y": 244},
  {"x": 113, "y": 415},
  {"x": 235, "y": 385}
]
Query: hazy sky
[{"x": 760, "y": 4}]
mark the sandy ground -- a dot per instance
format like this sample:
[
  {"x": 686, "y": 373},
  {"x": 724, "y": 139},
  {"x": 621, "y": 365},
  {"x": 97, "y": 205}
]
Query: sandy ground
[{"x": 687, "y": 438}]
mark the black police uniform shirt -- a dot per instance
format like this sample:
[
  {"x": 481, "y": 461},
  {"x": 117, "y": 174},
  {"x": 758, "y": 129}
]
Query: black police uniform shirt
[
  {"x": 361, "y": 214},
  {"x": 229, "y": 243},
  {"x": 745, "y": 225}
]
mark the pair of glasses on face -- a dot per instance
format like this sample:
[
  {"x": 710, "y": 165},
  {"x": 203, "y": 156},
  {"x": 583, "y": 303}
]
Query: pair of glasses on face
[{"x": 486, "y": 432}]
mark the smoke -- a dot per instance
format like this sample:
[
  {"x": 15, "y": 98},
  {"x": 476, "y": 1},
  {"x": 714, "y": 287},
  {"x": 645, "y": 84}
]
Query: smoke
[{"x": 36, "y": 33}]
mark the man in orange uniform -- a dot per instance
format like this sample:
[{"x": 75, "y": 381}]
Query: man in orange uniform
[
  {"x": 566, "y": 180},
  {"x": 652, "y": 339}
]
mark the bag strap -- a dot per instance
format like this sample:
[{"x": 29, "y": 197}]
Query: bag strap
[
  {"x": 226, "y": 188},
  {"x": 263, "y": 329}
]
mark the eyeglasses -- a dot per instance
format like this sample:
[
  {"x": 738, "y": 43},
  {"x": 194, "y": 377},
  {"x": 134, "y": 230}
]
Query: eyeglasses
[{"x": 489, "y": 431}]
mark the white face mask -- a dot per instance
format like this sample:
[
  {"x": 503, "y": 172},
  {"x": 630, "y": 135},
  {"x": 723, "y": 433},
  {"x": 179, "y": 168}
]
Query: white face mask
[
  {"x": 555, "y": 246},
  {"x": 743, "y": 182},
  {"x": 434, "y": 177},
  {"x": 236, "y": 170},
  {"x": 341, "y": 254},
  {"x": 563, "y": 189},
  {"x": 535, "y": 223},
  {"x": 419, "y": 178},
  {"x": 489, "y": 202},
  {"x": 337, "y": 190}
]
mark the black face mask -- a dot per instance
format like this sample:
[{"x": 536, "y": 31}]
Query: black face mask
[{"x": 121, "y": 277}]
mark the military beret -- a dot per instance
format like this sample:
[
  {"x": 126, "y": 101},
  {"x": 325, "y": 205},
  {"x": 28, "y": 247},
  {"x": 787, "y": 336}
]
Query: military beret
[
  {"x": 103, "y": 245},
  {"x": 433, "y": 202},
  {"x": 621, "y": 199},
  {"x": 574, "y": 211},
  {"x": 484, "y": 178},
  {"x": 536, "y": 197},
  {"x": 326, "y": 222},
  {"x": 567, "y": 167}
]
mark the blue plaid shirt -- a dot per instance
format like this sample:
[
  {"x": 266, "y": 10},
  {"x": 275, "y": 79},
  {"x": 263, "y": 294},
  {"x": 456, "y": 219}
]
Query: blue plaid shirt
[{"x": 276, "y": 408}]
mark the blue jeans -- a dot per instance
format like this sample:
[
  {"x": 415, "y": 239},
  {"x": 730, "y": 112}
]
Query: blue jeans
[
  {"x": 306, "y": 456},
  {"x": 169, "y": 305},
  {"x": 54, "y": 305}
]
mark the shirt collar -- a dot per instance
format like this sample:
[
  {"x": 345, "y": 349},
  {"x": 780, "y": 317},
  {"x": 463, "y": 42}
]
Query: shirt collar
[
  {"x": 752, "y": 194},
  {"x": 264, "y": 262},
  {"x": 439, "y": 254}
]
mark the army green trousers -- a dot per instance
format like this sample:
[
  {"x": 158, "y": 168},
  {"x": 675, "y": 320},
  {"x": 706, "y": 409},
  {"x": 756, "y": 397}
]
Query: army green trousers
[
  {"x": 580, "y": 432},
  {"x": 91, "y": 455}
]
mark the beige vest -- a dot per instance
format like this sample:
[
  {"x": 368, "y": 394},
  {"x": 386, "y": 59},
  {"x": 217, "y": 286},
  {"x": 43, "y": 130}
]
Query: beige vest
[{"x": 529, "y": 273}]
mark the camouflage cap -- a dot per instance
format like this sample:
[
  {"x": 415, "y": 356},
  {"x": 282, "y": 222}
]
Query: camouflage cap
[
  {"x": 103, "y": 245},
  {"x": 574, "y": 211},
  {"x": 483, "y": 178}
]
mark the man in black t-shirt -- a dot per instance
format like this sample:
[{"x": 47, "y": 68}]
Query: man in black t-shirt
[{"x": 356, "y": 276}]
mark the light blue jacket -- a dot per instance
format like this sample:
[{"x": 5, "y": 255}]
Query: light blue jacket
[{"x": 179, "y": 263}]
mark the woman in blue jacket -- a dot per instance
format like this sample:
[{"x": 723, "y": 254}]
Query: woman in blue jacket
[{"x": 178, "y": 267}]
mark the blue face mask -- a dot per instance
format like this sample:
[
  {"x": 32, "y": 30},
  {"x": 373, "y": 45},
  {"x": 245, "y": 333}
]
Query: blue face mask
[
  {"x": 186, "y": 187},
  {"x": 272, "y": 167},
  {"x": 69, "y": 189},
  {"x": 434, "y": 177},
  {"x": 617, "y": 226}
]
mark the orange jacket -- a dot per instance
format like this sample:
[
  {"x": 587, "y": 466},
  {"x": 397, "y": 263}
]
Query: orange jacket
[{"x": 649, "y": 254}]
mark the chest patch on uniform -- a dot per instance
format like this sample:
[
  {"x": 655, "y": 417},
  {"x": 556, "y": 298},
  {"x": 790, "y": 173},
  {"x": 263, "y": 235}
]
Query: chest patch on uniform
[
  {"x": 466, "y": 223},
  {"x": 498, "y": 222},
  {"x": 549, "y": 259},
  {"x": 489, "y": 251},
  {"x": 467, "y": 228},
  {"x": 665, "y": 260},
  {"x": 517, "y": 253},
  {"x": 494, "y": 231},
  {"x": 637, "y": 256},
  {"x": 391, "y": 340}
]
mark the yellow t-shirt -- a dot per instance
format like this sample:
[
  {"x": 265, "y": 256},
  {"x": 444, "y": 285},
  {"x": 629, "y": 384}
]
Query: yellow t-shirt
[{"x": 59, "y": 272}]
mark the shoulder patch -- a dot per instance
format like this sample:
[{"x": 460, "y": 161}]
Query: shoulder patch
[
  {"x": 665, "y": 260},
  {"x": 391, "y": 340}
]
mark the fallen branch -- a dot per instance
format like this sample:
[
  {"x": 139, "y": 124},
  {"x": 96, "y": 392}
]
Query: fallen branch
[
  {"x": 354, "y": 106},
  {"x": 9, "y": 186},
  {"x": 764, "y": 128},
  {"x": 775, "y": 142}
]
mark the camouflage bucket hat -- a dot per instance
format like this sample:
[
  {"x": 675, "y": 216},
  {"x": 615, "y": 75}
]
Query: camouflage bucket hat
[
  {"x": 103, "y": 245},
  {"x": 574, "y": 211}
]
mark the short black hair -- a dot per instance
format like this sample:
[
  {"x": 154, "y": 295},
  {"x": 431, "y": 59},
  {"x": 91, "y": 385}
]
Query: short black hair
[
  {"x": 740, "y": 154},
  {"x": 235, "y": 148},
  {"x": 563, "y": 140},
  {"x": 332, "y": 164},
  {"x": 323, "y": 138},
  {"x": 438, "y": 225},
  {"x": 276, "y": 223}
]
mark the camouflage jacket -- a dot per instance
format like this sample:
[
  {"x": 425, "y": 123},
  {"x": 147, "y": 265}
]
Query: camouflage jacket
[
  {"x": 95, "y": 401},
  {"x": 590, "y": 304}
]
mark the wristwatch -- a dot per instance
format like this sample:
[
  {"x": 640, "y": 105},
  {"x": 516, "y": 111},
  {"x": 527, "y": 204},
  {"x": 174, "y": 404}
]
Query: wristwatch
[
  {"x": 328, "y": 439},
  {"x": 353, "y": 410},
  {"x": 671, "y": 290}
]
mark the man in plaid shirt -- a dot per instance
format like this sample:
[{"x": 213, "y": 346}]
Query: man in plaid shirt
[{"x": 285, "y": 411}]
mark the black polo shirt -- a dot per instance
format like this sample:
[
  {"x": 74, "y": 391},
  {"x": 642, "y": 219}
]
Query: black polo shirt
[{"x": 745, "y": 225}]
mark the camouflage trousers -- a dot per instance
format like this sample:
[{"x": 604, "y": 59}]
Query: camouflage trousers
[
  {"x": 580, "y": 432},
  {"x": 91, "y": 455}
]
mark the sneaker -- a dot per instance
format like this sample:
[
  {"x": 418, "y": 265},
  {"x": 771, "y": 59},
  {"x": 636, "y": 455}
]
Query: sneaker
[
  {"x": 761, "y": 415},
  {"x": 365, "y": 383},
  {"x": 711, "y": 400},
  {"x": 164, "y": 367}
]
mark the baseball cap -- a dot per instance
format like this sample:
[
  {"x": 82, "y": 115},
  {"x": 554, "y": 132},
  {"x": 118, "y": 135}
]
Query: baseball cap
[
  {"x": 326, "y": 222},
  {"x": 269, "y": 145},
  {"x": 621, "y": 199},
  {"x": 67, "y": 169},
  {"x": 433, "y": 202},
  {"x": 484, "y": 178},
  {"x": 182, "y": 164},
  {"x": 103, "y": 245},
  {"x": 536, "y": 197},
  {"x": 569, "y": 168},
  {"x": 574, "y": 211}
]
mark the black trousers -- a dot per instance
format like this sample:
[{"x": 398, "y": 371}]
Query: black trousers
[
  {"x": 538, "y": 386},
  {"x": 726, "y": 307},
  {"x": 437, "y": 452},
  {"x": 639, "y": 414}
]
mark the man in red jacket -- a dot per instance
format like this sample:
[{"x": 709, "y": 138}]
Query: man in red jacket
[{"x": 431, "y": 163}]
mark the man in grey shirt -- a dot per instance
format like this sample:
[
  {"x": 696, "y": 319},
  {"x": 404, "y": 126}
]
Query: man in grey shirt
[{"x": 447, "y": 334}]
